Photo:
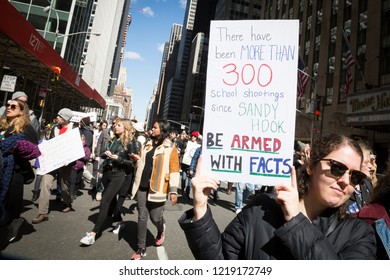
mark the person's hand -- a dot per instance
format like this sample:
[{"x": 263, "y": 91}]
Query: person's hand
[
  {"x": 201, "y": 187},
  {"x": 287, "y": 197},
  {"x": 134, "y": 157},
  {"x": 173, "y": 198}
]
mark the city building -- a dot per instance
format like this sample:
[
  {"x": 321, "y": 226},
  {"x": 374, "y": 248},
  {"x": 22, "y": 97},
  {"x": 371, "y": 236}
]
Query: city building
[
  {"x": 344, "y": 46},
  {"x": 88, "y": 37}
]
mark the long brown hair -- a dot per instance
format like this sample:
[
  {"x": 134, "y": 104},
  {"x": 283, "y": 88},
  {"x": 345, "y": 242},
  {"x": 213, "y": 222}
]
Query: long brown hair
[{"x": 19, "y": 122}]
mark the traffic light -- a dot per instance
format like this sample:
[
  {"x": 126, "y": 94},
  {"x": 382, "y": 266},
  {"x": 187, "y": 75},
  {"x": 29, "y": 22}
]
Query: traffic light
[
  {"x": 57, "y": 73},
  {"x": 317, "y": 109}
]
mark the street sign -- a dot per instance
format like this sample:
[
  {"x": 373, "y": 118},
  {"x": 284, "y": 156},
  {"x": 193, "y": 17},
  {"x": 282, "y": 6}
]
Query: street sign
[
  {"x": 8, "y": 83},
  {"x": 42, "y": 92}
]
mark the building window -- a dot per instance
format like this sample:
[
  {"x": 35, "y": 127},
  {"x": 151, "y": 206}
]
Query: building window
[
  {"x": 329, "y": 95},
  {"x": 385, "y": 48}
]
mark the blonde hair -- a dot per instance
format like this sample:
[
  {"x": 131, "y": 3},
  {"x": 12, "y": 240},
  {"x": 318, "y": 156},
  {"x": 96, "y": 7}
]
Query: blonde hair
[
  {"x": 19, "y": 122},
  {"x": 127, "y": 135}
]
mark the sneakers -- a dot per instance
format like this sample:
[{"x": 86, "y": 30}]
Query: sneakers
[
  {"x": 160, "y": 237},
  {"x": 118, "y": 227},
  {"x": 88, "y": 239},
  {"x": 98, "y": 196},
  {"x": 40, "y": 218},
  {"x": 141, "y": 252},
  {"x": 238, "y": 210}
]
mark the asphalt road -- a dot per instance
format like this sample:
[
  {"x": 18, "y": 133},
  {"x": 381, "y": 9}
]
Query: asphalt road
[{"x": 59, "y": 238}]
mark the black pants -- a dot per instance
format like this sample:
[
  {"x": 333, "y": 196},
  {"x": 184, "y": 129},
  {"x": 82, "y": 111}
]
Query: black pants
[
  {"x": 113, "y": 181},
  {"x": 123, "y": 192},
  {"x": 14, "y": 198}
]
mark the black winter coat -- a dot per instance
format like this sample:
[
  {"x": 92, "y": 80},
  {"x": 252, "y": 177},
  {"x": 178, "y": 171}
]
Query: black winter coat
[{"x": 260, "y": 232}]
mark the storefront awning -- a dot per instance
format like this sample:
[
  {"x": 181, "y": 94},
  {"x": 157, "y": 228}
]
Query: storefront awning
[{"x": 24, "y": 50}]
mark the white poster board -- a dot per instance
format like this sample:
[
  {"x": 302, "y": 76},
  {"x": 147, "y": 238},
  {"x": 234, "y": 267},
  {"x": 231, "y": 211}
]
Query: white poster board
[
  {"x": 59, "y": 151},
  {"x": 250, "y": 103},
  {"x": 77, "y": 116},
  {"x": 8, "y": 83}
]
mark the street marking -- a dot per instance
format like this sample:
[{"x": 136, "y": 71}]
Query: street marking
[{"x": 161, "y": 253}]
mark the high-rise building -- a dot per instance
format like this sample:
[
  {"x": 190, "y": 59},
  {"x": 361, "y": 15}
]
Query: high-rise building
[
  {"x": 175, "y": 85},
  {"x": 167, "y": 72},
  {"x": 89, "y": 35}
]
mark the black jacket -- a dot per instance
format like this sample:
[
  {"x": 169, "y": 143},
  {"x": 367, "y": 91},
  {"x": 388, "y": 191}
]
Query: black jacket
[
  {"x": 260, "y": 232},
  {"x": 123, "y": 163}
]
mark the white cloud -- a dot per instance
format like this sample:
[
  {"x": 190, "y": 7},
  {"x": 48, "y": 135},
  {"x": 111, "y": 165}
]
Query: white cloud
[
  {"x": 183, "y": 3},
  {"x": 133, "y": 55},
  {"x": 160, "y": 47},
  {"x": 147, "y": 11}
]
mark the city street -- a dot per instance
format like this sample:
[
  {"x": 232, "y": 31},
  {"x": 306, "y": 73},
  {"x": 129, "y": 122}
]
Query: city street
[{"x": 58, "y": 238}]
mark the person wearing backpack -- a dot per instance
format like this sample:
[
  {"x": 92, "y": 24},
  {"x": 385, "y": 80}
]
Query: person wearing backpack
[{"x": 19, "y": 145}]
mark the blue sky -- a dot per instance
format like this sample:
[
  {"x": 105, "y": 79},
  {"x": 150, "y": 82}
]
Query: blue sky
[{"x": 150, "y": 29}]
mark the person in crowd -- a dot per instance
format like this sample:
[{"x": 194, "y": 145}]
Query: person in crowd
[
  {"x": 95, "y": 158},
  {"x": 243, "y": 191},
  {"x": 133, "y": 147},
  {"x": 18, "y": 145},
  {"x": 304, "y": 219},
  {"x": 140, "y": 133},
  {"x": 374, "y": 178},
  {"x": 181, "y": 143},
  {"x": 189, "y": 152},
  {"x": 38, "y": 177},
  {"x": 116, "y": 165},
  {"x": 78, "y": 169},
  {"x": 101, "y": 147},
  {"x": 63, "y": 174},
  {"x": 22, "y": 96},
  {"x": 192, "y": 170},
  {"x": 173, "y": 136},
  {"x": 362, "y": 194},
  {"x": 157, "y": 177},
  {"x": 86, "y": 130},
  {"x": 377, "y": 214}
]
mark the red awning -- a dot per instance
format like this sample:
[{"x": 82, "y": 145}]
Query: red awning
[{"x": 16, "y": 28}]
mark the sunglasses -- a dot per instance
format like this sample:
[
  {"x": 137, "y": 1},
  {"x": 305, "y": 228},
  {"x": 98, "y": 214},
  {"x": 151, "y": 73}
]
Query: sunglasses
[
  {"x": 12, "y": 106},
  {"x": 338, "y": 169}
]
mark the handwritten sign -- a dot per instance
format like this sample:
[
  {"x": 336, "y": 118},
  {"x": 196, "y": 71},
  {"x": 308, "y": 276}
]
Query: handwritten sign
[
  {"x": 8, "y": 83},
  {"x": 77, "y": 116},
  {"x": 59, "y": 151},
  {"x": 251, "y": 100}
]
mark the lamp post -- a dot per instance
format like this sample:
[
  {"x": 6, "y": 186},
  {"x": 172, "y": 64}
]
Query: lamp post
[
  {"x": 49, "y": 9},
  {"x": 314, "y": 79},
  {"x": 72, "y": 34},
  {"x": 193, "y": 114},
  {"x": 182, "y": 125}
]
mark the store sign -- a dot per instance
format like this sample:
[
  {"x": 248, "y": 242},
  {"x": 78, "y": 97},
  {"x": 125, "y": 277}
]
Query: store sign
[
  {"x": 369, "y": 102},
  {"x": 8, "y": 83}
]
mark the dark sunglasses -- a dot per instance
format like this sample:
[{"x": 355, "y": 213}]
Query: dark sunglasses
[
  {"x": 12, "y": 106},
  {"x": 338, "y": 169}
]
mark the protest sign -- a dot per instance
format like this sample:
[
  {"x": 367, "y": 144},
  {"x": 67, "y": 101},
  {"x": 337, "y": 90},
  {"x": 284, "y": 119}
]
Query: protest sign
[
  {"x": 250, "y": 102},
  {"x": 59, "y": 151}
]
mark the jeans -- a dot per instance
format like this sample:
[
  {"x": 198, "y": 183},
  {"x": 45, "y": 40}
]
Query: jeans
[
  {"x": 243, "y": 191},
  {"x": 145, "y": 207}
]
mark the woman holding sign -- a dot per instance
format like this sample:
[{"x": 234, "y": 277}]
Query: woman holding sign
[{"x": 305, "y": 219}]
